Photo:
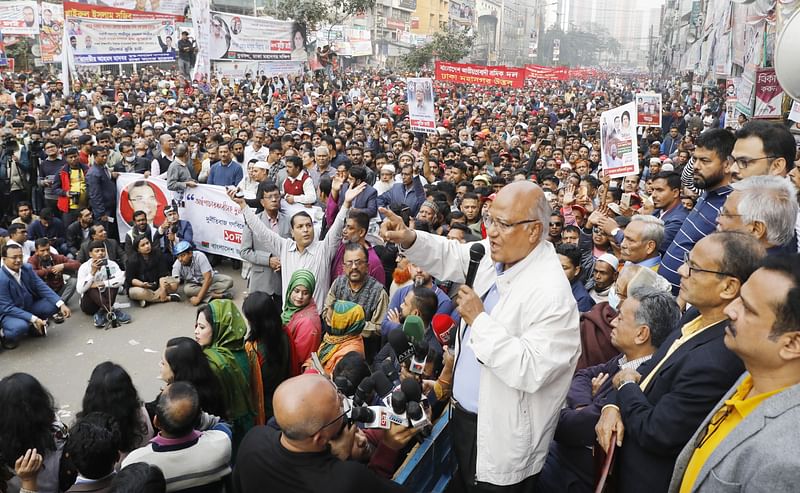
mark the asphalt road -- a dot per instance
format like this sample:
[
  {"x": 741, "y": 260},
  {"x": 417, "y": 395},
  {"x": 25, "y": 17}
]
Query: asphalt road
[{"x": 64, "y": 360}]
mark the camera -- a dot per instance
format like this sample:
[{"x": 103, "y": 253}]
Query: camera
[
  {"x": 103, "y": 262},
  {"x": 75, "y": 197}
]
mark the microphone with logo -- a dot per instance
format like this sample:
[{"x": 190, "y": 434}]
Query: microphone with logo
[{"x": 443, "y": 327}]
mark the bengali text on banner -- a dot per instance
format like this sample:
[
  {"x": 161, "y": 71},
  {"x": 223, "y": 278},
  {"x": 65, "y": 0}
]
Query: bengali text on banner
[{"x": 465, "y": 73}]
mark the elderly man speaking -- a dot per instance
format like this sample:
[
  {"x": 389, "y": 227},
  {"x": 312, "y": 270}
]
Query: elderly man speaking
[{"x": 518, "y": 343}]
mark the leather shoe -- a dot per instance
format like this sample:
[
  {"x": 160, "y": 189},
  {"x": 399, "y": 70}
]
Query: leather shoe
[{"x": 8, "y": 344}]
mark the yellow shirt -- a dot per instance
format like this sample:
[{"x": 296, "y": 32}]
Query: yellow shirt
[
  {"x": 688, "y": 331},
  {"x": 721, "y": 425},
  {"x": 77, "y": 184}
]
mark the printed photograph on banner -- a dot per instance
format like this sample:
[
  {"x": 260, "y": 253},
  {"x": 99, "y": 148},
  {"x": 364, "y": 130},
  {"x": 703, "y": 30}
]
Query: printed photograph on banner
[
  {"x": 100, "y": 41},
  {"x": 241, "y": 37},
  {"x": 421, "y": 111},
  {"x": 20, "y": 17},
  {"x": 618, "y": 146},
  {"x": 176, "y": 7},
  {"x": 648, "y": 109},
  {"x": 142, "y": 195},
  {"x": 51, "y": 31}
]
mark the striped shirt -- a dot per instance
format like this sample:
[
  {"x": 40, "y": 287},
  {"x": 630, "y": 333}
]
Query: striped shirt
[{"x": 701, "y": 222}]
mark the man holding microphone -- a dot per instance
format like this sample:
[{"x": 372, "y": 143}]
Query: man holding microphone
[{"x": 518, "y": 344}]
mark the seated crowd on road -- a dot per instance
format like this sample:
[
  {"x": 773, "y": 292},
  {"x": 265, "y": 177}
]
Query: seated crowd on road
[{"x": 685, "y": 276}]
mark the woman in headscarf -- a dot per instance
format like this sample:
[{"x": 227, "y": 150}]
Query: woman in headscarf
[
  {"x": 300, "y": 319},
  {"x": 344, "y": 336},
  {"x": 220, "y": 330}
]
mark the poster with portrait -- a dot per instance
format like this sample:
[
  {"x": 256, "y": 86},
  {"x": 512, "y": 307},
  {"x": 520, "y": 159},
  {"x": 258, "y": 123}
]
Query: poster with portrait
[
  {"x": 421, "y": 111},
  {"x": 618, "y": 146},
  {"x": 51, "y": 31},
  {"x": 648, "y": 109},
  {"x": 241, "y": 37},
  {"x": 101, "y": 41},
  {"x": 19, "y": 17}
]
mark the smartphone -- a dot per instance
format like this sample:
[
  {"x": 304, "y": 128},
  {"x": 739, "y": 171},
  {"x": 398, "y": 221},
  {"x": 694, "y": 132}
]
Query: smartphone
[{"x": 626, "y": 200}]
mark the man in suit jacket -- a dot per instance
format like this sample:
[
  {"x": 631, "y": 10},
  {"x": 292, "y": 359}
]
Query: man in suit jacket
[
  {"x": 101, "y": 187},
  {"x": 748, "y": 441},
  {"x": 265, "y": 275},
  {"x": 646, "y": 318},
  {"x": 25, "y": 299},
  {"x": 654, "y": 410}
]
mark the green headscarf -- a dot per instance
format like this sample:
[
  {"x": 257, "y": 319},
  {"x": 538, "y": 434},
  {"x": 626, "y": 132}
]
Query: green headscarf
[
  {"x": 347, "y": 322},
  {"x": 301, "y": 277},
  {"x": 226, "y": 356}
]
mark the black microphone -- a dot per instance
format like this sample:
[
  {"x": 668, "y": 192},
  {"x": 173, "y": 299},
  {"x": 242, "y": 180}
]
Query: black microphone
[
  {"x": 420, "y": 358},
  {"x": 383, "y": 387},
  {"x": 400, "y": 345},
  {"x": 364, "y": 391},
  {"x": 476, "y": 253},
  {"x": 411, "y": 389},
  {"x": 391, "y": 372},
  {"x": 399, "y": 403}
]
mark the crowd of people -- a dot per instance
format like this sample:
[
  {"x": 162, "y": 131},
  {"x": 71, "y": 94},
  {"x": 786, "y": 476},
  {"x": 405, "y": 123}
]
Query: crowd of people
[{"x": 490, "y": 271}]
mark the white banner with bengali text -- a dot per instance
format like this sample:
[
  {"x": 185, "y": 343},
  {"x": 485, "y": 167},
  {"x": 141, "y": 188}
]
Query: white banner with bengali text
[
  {"x": 241, "y": 37},
  {"x": 618, "y": 147},
  {"x": 422, "y": 114},
  {"x": 201, "y": 20},
  {"x": 101, "y": 41},
  {"x": 19, "y": 17},
  {"x": 176, "y": 7}
]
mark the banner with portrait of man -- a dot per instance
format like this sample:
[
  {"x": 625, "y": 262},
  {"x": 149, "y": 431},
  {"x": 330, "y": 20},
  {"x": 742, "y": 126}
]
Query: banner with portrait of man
[
  {"x": 101, "y": 41},
  {"x": 19, "y": 17},
  {"x": 648, "y": 109},
  {"x": 618, "y": 146},
  {"x": 51, "y": 32},
  {"x": 421, "y": 111}
]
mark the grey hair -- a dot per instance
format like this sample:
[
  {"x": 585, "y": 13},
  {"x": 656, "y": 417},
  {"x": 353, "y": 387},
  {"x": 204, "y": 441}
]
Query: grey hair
[
  {"x": 645, "y": 278},
  {"x": 653, "y": 228},
  {"x": 771, "y": 200},
  {"x": 657, "y": 310},
  {"x": 322, "y": 147},
  {"x": 181, "y": 150}
]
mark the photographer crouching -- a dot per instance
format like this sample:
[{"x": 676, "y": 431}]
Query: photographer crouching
[{"x": 98, "y": 281}]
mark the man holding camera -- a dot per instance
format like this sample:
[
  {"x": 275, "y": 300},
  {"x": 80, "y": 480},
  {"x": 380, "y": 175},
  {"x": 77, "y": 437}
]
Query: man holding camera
[
  {"x": 98, "y": 281},
  {"x": 174, "y": 230},
  {"x": 70, "y": 186},
  {"x": 50, "y": 267}
]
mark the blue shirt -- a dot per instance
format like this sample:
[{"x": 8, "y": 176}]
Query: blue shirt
[
  {"x": 225, "y": 175},
  {"x": 467, "y": 376},
  {"x": 581, "y": 295},
  {"x": 701, "y": 222}
]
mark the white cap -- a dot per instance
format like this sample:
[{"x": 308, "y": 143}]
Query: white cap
[
  {"x": 261, "y": 165},
  {"x": 667, "y": 167},
  {"x": 609, "y": 259}
]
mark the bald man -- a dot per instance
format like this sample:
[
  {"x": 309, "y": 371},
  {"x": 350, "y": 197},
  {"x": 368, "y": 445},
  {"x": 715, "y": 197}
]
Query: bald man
[
  {"x": 310, "y": 452},
  {"x": 518, "y": 343}
]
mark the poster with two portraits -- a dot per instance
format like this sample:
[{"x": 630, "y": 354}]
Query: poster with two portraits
[{"x": 618, "y": 143}]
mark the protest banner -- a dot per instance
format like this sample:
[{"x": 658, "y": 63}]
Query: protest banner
[
  {"x": 618, "y": 146},
  {"x": 201, "y": 21},
  {"x": 100, "y": 41},
  {"x": 240, "y": 37},
  {"x": 75, "y": 10},
  {"x": 3, "y": 58},
  {"x": 466, "y": 73},
  {"x": 19, "y": 17},
  {"x": 540, "y": 72},
  {"x": 175, "y": 7},
  {"x": 769, "y": 94},
  {"x": 51, "y": 32},
  {"x": 794, "y": 113},
  {"x": 421, "y": 113},
  {"x": 648, "y": 109}
]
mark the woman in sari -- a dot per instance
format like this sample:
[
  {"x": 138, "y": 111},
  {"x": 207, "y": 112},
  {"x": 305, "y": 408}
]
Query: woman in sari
[
  {"x": 300, "y": 319},
  {"x": 220, "y": 331},
  {"x": 346, "y": 324}
]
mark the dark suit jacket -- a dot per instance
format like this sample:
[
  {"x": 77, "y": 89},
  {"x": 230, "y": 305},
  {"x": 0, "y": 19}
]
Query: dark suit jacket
[
  {"x": 16, "y": 300},
  {"x": 367, "y": 200},
  {"x": 102, "y": 193},
  {"x": 662, "y": 419}
]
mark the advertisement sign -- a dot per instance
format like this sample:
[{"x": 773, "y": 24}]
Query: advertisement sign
[
  {"x": 769, "y": 94},
  {"x": 540, "y": 72},
  {"x": 618, "y": 147},
  {"x": 100, "y": 41},
  {"x": 466, "y": 73},
  {"x": 216, "y": 220},
  {"x": 51, "y": 32},
  {"x": 648, "y": 109},
  {"x": 240, "y": 37},
  {"x": 421, "y": 112},
  {"x": 175, "y": 7},
  {"x": 19, "y": 17}
]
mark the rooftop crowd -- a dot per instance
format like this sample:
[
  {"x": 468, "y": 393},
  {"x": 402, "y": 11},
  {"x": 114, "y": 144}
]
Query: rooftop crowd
[{"x": 658, "y": 313}]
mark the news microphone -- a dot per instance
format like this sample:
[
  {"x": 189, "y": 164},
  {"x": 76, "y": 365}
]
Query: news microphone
[
  {"x": 416, "y": 415},
  {"x": 476, "y": 253},
  {"x": 399, "y": 403},
  {"x": 420, "y": 358},
  {"x": 364, "y": 391},
  {"x": 411, "y": 389},
  {"x": 413, "y": 328},
  {"x": 391, "y": 373},
  {"x": 371, "y": 417},
  {"x": 400, "y": 345},
  {"x": 443, "y": 325}
]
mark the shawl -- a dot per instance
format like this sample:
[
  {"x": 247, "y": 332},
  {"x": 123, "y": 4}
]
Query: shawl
[
  {"x": 301, "y": 277},
  {"x": 347, "y": 322}
]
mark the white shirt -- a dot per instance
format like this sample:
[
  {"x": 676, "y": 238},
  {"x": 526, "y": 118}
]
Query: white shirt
[
  {"x": 250, "y": 153},
  {"x": 309, "y": 195},
  {"x": 86, "y": 279},
  {"x": 316, "y": 257}
]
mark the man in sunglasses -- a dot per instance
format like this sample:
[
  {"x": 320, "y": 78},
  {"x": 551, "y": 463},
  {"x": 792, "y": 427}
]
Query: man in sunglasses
[
  {"x": 655, "y": 409},
  {"x": 310, "y": 451}
]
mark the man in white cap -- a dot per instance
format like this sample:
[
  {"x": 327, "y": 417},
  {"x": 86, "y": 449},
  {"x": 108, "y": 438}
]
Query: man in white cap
[
  {"x": 257, "y": 171},
  {"x": 386, "y": 178},
  {"x": 604, "y": 276}
]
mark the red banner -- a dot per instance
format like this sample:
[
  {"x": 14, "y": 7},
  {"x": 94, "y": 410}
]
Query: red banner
[
  {"x": 541, "y": 72},
  {"x": 74, "y": 9},
  {"x": 465, "y": 73}
]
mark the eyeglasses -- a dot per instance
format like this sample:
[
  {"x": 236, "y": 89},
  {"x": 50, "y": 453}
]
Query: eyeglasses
[
  {"x": 503, "y": 226},
  {"x": 555, "y": 225},
  {"x": 354, "y": 263},
  {"x": 743, "y": 163},
  {"x": 688, "y": 262},
  {"x": 724, "y": 213},
  {"x": 714, "y": 425}
]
